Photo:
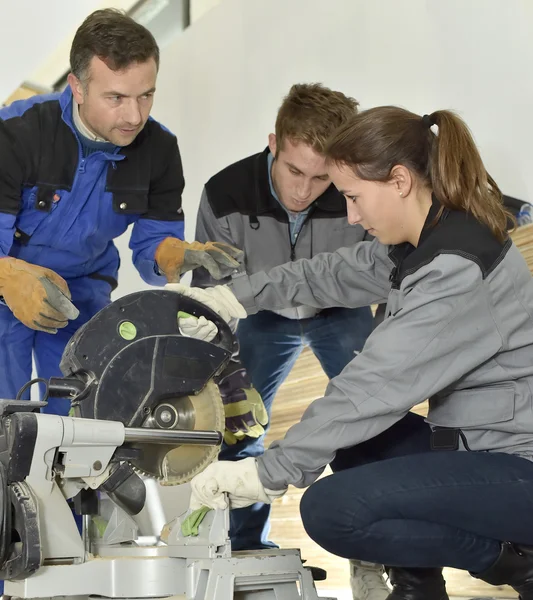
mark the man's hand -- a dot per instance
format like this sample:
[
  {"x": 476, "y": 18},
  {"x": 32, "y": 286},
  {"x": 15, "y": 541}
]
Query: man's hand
[
  {"x": 234, "y": 484},
  {"x": 246, "y": 415},
  {"x": 38, "y": 297},
  {"x": 218, "y": 298},
  {"x": 175, "y": 257}
]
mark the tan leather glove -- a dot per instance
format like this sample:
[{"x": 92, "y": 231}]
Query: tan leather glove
[
  {"x": 175, "y": 257},
  {"x": 38, "y": 297}
]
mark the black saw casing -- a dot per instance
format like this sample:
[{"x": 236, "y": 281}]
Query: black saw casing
[{"x": 124, "y": 379}]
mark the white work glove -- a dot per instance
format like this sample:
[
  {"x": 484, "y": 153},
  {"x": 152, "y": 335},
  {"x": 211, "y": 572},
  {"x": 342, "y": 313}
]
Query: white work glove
[
  {"x": 197, "y": 328},
  {"x": 218, "y": 298},
  {"x": 236, "y": 484}
]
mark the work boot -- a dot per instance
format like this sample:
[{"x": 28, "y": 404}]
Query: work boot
[
  {"x": 417, "y": 584},
  {"x": 317, "y": 573},
  {"x": 513, "y": 567},
  {"x": 367, "y": 581}
]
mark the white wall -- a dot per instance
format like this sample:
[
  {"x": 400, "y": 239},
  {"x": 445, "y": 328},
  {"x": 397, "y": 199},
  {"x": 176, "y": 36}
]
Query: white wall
[
  {"x": 222, "y": 81},
  {"x": 35, "y": 37},
  {"x": 198, "y": 8},
  {"x": 29, "y": 32}
]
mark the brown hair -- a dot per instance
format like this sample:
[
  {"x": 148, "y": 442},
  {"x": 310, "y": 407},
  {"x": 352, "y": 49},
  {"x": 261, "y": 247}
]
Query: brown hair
[
  {"x": 447, "y": 162},
  {"x": 113, "y": 37},
  {"x": 310, "y": 113}
]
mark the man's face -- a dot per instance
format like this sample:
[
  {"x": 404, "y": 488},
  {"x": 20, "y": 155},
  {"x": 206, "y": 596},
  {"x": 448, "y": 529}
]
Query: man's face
[
  {"x": 115, "y": 105},
  {"x": 299, "y": 174}
]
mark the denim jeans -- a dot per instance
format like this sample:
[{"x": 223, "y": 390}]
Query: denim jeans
[
  {"x": 269, "y": 347},
  {"x": 394, "y": 501},
  {"x": 19, "y": 345}
]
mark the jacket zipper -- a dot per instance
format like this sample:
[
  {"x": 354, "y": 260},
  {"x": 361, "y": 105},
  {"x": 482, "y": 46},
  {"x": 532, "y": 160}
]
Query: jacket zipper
[
  {"x": 293, "y": 254},
  {"x": 293, "y": 246},
  {"x": 393, "y": 277}
]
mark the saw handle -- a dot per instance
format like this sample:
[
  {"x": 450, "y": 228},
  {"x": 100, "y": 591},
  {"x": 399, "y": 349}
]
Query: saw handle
[
  {"x": 225, "y": 338},
  {"x": 66, "y": 387}
]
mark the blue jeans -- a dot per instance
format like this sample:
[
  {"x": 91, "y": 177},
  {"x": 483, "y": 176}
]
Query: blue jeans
[
  {"x": 19, "y": 344},
  {"x": 394, "y": 501},
  {"x": 269, "y": 347}
]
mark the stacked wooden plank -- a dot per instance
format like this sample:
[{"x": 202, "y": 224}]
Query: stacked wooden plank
[{"x": 523, "y": 238}]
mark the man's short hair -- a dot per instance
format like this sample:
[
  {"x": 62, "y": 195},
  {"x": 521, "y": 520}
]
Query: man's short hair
[
  {"x": 114, "y": 38},
  {"x": 310, "y": 113}
]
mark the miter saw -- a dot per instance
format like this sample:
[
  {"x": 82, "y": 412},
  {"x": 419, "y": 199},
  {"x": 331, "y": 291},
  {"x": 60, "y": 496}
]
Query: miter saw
[{"x": 94, "y": 504}]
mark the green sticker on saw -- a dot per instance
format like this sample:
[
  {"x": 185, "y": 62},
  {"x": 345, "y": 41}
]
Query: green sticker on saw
[{"x": 127, "y": 330}]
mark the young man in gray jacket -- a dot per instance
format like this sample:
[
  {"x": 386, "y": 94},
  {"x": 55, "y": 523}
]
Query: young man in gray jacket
[{"x": 279, "y": 206}]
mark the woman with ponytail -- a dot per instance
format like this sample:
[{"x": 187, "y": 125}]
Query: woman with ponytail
[{"x": 414, "y": 494}]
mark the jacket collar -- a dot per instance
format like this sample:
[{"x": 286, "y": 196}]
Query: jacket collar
[
  {"x": 431, "y": 219},
  {"x": 66, "y": 102},
  {"x": 400, "y": 252}
]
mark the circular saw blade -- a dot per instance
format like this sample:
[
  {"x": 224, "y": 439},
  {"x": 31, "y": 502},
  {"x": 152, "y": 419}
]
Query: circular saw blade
[{"x": 173, "y": 465}]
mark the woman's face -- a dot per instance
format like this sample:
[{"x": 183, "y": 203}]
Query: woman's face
[{"x": 377, "y": 206}]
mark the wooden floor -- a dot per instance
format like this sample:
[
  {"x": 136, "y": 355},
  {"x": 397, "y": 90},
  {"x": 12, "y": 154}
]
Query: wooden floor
[{"x": 306, "y": 383}]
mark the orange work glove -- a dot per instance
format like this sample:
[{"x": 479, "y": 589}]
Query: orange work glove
[
  {"x": 38, "y": 297},
  {"x": 175, "y": 257}
]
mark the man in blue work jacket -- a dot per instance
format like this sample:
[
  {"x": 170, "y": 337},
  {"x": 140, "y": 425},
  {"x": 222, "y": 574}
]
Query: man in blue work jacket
[{"x": 76, "y": 169}]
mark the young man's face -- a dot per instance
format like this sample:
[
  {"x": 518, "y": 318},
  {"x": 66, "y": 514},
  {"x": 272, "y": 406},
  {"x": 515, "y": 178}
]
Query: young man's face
[
  {"x": 299, "y": 174},
  {"x": 115, "y": 105}
]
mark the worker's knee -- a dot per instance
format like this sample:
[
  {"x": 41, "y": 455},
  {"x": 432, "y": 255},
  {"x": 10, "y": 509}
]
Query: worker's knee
[{"x": 315, "y": 512}]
